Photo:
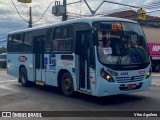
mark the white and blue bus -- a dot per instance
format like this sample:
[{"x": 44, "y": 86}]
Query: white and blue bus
[{"x": 96, "y": 56}]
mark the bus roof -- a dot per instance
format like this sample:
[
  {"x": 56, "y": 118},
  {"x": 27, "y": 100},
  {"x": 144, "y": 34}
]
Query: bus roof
[{"x": 77, "y": 20}]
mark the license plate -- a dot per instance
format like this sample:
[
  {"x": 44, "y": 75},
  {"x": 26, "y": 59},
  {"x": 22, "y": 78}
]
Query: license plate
[{"x": 131, "y": 86}]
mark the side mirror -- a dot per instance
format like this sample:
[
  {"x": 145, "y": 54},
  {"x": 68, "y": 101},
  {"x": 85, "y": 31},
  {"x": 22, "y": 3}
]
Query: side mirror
[{"x": 95, "y": 37}]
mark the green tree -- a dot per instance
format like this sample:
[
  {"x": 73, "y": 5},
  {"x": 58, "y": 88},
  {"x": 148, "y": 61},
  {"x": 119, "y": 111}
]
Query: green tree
[{"x": 3, "y": 50}]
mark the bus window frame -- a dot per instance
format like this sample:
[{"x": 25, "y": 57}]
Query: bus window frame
[
  {"x": 49, "y": 38},
  {"x": 62, "y": 38},
  {"x": 11, "y": 43}
]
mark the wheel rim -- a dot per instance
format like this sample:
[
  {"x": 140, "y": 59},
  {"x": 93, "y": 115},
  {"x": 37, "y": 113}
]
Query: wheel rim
[
  {"x": 67, "y": 84},
  {"x": 22, "y": 78}
]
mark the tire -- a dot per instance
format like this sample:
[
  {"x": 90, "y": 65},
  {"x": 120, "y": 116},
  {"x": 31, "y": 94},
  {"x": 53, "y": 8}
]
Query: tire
[
  {"x": 67, "y": 84},
  {"x": 23, "y": 77}
]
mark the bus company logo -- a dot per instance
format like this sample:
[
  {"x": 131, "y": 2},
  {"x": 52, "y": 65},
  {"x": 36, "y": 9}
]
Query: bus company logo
[
  {"x": 155, "y": 48},
  {"x": 132, "y": 78},
  {"x": 22, "y": 58},
  {"x": 142, "y": 71}
]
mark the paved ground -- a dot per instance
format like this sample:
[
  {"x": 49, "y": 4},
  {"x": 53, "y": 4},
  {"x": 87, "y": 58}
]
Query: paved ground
[
  {"x": 14, "y": 97},
  {"x": 156, "y": 79}
]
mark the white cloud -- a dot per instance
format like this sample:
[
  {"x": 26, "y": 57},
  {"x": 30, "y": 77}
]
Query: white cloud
[{"x": 9, "y": 19}]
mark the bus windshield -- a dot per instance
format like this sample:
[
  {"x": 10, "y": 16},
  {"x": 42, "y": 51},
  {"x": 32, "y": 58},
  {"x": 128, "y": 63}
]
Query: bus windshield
[{"x": 121, "y": 43}]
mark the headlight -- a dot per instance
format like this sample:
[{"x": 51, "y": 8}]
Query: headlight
[
  {"x": 148, "y": 74},
  {"x": 106, "y": 76}
]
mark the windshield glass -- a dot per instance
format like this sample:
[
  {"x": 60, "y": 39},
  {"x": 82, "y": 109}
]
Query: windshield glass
[{"x": 121, "y": 43}]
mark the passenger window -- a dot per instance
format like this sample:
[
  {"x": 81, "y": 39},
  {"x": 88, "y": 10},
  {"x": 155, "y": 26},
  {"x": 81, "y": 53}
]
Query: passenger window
[
  {"x": 27, "y": 43},
  {"x": 63, "y": 38}
]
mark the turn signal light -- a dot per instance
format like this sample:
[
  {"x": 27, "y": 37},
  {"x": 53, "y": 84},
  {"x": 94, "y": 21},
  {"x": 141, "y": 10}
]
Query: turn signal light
[{"x": 148, "y": 74}]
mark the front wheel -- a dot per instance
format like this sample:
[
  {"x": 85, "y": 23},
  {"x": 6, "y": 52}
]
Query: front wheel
[
  {"x": 67, "y": 84},
  {"x": 23, "y": 77}
]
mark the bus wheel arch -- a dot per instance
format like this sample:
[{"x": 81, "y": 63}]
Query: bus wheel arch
[
  {"x": 23, "y": 76},
  {"x": 65, "y": 82}
]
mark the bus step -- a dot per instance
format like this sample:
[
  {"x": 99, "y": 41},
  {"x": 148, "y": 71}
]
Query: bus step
[{"x": 40, "y": 83}]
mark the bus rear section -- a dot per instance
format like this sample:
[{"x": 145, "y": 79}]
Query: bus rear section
[{"x": 19, "y": 54}]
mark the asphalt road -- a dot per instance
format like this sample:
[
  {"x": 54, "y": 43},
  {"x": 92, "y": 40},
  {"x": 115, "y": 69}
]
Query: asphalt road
[{"x": 14, "y": 97}]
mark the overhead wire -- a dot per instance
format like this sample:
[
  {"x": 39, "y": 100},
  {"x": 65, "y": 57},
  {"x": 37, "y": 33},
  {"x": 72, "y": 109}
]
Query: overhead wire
[
  {"x": 48, "y": 8},
  {"x": 28, "y": 12},
  {"x": 18, "y": 12},
  {"x": 43, "y": 13},
  {"x": 124, "y": 9},
  {"x": 150, "y": 6},
  {"x": 147, "y": 5}
]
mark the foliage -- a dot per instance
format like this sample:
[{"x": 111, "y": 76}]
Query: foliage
[
  {"x": 3, "y": 64},
  {"x": 3, "y": 50}
]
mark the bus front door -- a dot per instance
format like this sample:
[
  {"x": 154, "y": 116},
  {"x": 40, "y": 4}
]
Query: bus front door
[
  {"x": 82, "y": 53},
  {"x": 39, "y": 47}
]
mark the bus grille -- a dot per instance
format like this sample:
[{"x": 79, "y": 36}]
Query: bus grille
[{"x": 129, "y": 79}]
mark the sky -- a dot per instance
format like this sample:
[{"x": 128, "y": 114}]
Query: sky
[{"x": 10, "y": 20}]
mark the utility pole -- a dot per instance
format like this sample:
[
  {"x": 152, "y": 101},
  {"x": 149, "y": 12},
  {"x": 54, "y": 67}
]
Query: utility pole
[
  {"x": 64, "y": 16},
  {"x": 61, "y": 10},
  {"x": 30, "y": 18}
]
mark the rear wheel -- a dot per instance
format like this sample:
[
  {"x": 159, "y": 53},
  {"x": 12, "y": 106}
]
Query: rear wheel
[
  {"x": 23, "y": 77},
  {"x": 67, "y": 84}
]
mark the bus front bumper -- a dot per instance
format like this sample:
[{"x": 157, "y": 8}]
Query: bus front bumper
[{"x": 105, "y": 88}]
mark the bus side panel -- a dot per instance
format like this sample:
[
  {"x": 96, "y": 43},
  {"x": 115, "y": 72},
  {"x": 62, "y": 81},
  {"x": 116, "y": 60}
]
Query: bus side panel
[
  {"x": 54, "y": 64},
  {"x": 12, "y": 65},
  {"x": 30, "y": 67},
  {"x": 69, "y": 65},
  {"x": 50, "y": 69},
  {"x": 14, "y": 61}
]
